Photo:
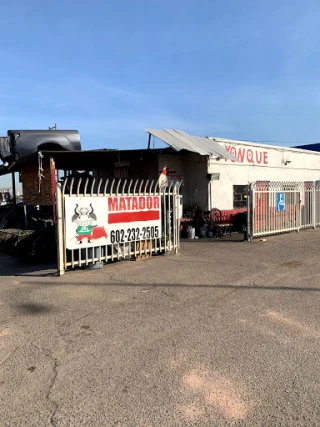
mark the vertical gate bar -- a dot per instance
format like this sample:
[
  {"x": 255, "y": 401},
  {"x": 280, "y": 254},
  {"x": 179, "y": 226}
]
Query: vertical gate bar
[
  {"x": 118, "y": 186},
  {"x": 78, "y": 187},
  {"x": 71, "y": 185},
  {"x": 106, "y": 259},
  {"x": 314, "y": 206},
  {"x": 164, "y": 217},
  {"x": 151, "y": 187},
  {"x": 299, "y": 201},
  {"x": 140, "y": 187},
  {"x": 64, "y": 185},
  {"x": 296, "y": 210},
  {"x": 112, "y": 251},
  {"x": 87, "y": 256},
  {"x": 106, "y": 187},
  {"x": 72, "y": 258},
  {"x": 274, "y": 210},
  {"x": 129, "y": 187},
  {"x": 79, "y": 256},
  {"x": 270, "y": 213},
  {"x": 135, "y": 187},
  {"x": 146, "y": 187},
  {"x": 248, "y": 213},
  {"x": 158, "y": 193},
  {"x": 92, "y": 186},
  {"x": 178, "y": 219},
  {"x": 293, "y": 209},
  {"x": 317, "y": 204},
  {"x": 59, "y": 232},
  {"x": 112, "y": 185},
  {"x": 86, "y": 187},
  {"x": 174, "y": 218},
  {"x": 99, "y": 186},
  {"x": 170, "y": 201},
  {"x": 252, "y": 207},
  {"x": 124, "y": 186}
]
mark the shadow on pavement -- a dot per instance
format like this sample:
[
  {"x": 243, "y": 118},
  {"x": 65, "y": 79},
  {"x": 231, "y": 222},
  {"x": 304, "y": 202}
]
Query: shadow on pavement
[
  {"x": 14, "y": 266},
  {"x": 234, "y": 238},
  {"x": 33, "y": 308},
  {"x": 182, "y": 285}
]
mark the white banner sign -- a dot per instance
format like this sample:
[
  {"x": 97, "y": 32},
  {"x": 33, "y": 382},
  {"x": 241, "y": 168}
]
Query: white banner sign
[{"x": 97, "y": 221}]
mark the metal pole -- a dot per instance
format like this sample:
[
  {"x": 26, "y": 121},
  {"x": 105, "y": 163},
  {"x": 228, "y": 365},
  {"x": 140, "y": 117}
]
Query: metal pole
[
  {"x": 14, "y": 198},
  {"x": 149, "y": 141},
  {"x": 25, "y": 216}
]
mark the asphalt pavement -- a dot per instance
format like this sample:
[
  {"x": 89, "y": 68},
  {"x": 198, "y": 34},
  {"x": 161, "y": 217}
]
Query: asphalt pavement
[{"x": 225, "y": 333}]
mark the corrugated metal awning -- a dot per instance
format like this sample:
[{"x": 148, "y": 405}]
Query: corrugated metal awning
[{"x": 179, "y": 140}]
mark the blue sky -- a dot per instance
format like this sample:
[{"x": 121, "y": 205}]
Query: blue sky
[{"x": 236, "y": 69}]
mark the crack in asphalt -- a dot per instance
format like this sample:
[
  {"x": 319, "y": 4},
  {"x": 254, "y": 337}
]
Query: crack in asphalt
[
  {"x": 51, "y": 386},
  {"x": 54, "y": 360}
]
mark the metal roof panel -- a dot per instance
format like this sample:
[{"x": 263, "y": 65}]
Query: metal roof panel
[{"x": 180, "y": 140}]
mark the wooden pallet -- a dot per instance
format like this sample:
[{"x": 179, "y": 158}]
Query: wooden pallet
[{"x": 144, "y": 245}]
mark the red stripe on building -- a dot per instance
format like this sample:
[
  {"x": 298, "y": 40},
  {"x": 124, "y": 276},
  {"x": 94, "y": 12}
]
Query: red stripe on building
[{"x": 115, "y": 218}]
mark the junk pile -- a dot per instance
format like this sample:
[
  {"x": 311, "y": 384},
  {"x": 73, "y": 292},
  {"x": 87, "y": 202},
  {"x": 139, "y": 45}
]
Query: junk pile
[
  {"x": 215, "y": 223},
  {"x": 31, "y": 236}
]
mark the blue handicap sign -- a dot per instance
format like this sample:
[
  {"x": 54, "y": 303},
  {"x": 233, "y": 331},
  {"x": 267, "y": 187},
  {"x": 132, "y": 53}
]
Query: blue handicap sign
[{"x": 281, "y": 202}]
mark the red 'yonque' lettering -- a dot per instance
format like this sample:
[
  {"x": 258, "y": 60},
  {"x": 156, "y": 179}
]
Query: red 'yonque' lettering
[
  {"x": 233, "y": 151},
  {"x": 241, "y": 154},
  {"x": 265, "y": 157},
  {"x": 228, "y": 148},
  {"x": 258, "y": 157},
  {"x": 250, "y": 156}
]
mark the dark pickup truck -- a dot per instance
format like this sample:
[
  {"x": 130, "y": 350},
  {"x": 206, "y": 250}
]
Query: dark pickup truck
[{"x": 22, "y": 143}]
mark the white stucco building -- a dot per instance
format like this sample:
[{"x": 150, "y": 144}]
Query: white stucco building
[
  {"x": 256, "y": 162},
  {"x": 216, "y": 181}
]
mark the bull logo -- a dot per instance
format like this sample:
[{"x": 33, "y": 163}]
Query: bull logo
[{"x": 84, "y": 218}]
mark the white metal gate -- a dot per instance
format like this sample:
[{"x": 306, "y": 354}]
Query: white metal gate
[
  {"x": 278, "y": 207},
  {"x": 146, "y": 243}
]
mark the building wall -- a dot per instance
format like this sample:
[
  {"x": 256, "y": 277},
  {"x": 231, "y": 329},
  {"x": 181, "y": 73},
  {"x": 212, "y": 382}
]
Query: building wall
[
  {"x": 258, "y": 162},
  {"x": 125, "y": 164},
  {"x": 191, "y": 168}
]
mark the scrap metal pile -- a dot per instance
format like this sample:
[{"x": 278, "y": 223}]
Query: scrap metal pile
[
  {"x": 37, "y": 241},
  {"x": 29, "y": 230}
]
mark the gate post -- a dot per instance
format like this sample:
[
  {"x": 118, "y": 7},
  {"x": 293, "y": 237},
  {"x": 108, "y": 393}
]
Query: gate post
[
  {"x": 314, "y": 205},
  {"x": 300, "y": 211},
  {"x": 59, "y": 231},
  {"x": 249, "y": 197},
  {"x": 174, "y": 219}
]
